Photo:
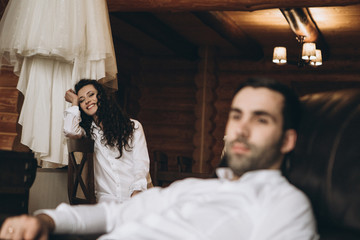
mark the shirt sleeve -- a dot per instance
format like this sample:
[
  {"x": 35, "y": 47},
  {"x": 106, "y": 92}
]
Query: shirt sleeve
[
  {"x": 105, "y": 217},
  {"x": 79, "y": 219},
  {"x": 72, "y": 120},
  {"x": 141, "y": 159}
]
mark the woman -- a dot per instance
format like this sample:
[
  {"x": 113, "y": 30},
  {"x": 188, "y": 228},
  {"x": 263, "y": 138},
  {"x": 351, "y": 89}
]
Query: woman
[{"x": 121, "y": 159}]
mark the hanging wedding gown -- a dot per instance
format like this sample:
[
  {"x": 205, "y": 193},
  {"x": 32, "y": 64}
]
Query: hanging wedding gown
[{"x": 52, "y": 44}]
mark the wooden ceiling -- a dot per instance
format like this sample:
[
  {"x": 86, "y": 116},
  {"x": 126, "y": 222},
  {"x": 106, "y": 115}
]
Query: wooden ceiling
[{"x": 244, "y": 29}]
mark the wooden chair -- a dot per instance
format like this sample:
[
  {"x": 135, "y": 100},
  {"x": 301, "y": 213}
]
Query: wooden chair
[
  {"x": 81, "y": 171},
  {"x": 184, "y": 164},
  {"x": 17, "y": 174},
  {"x": 163, "y": 177},
  {"x": 160, "y": 164}
]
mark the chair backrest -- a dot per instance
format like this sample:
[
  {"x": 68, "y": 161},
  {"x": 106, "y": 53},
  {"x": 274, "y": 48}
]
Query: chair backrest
[
  {"x": 81, "y": 171},
  {"x": 163, "y": 177},
  {"x": 17, "y": 174}
]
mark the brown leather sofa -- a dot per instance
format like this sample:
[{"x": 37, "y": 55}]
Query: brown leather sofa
[{"x": 326, "y": 161}]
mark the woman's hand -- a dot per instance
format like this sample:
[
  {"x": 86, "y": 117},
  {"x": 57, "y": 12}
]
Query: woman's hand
[
  {"x": 71, "y": 97},
  {"x": 27, "y": 227}
]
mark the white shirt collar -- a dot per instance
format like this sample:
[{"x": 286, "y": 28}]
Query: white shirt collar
[{"x": 225, "y": 173}]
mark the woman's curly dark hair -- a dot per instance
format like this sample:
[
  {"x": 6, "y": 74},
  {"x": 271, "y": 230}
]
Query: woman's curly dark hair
[{"x": 117, "y": 127}]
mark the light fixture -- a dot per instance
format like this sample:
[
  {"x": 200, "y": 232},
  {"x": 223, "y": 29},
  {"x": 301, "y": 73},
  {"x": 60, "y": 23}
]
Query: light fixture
[
  {"x": 308, "y": 51},
  {"x": 308, "y": 55},
  {"x": 307, "y": 33},
  {"x": 318, "y": 60},
  {"x": 279, "y": 56}
]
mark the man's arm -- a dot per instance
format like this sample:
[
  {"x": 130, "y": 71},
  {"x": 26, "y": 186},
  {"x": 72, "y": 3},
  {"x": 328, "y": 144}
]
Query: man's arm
[
  {"x": 105, "y": 217},
  {"x": 92, "y": 219}
]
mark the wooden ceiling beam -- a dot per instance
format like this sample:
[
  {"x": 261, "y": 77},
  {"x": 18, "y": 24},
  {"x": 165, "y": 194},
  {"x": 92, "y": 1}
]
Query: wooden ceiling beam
[
  {"x": 217, "y": 5},
  {"x": 154, "y": 28},
  {"x": 221, "y": 23}
]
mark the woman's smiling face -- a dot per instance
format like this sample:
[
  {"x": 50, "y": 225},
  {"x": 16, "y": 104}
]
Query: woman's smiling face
[{"x": 88, "y": 99}]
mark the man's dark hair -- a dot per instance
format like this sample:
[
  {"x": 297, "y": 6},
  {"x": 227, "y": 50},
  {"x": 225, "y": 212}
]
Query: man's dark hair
[{"x": 292, "y": 107}]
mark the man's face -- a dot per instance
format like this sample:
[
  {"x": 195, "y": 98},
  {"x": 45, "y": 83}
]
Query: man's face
[{"x": 254, "y": 133}]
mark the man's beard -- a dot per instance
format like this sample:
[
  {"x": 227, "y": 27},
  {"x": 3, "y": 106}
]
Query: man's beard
[{"x": 258, "y": 157}]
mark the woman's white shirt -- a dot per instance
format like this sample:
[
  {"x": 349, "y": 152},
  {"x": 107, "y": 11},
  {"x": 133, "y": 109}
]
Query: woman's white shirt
[{"x": 115, "y": 179}]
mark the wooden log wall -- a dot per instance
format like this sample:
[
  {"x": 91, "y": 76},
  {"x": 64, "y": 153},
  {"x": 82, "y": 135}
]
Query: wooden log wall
[
  {"x": 10, "y": 104},
  {"x": 168, "y": 97},
  {"x": 128, "y": 65},
  {"x": 206, "y": 82},
  {"x": 8, "y": 109},
  {"x": 330, "y": 76},
  {"x": 169, "y": 100},
  {"x": 163, "y": 94}
]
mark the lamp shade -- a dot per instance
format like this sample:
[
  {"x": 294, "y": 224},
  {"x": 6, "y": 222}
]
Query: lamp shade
[
  {"x": 318, "y": 60},
  {"x": 309, "y": 51},
  {"x": 279, "y": 56}
]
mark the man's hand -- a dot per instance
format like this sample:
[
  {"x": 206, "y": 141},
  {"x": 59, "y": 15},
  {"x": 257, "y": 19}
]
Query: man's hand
[
  {"x": 135, "y": 193},
  {"x": 27, "y": 227}
]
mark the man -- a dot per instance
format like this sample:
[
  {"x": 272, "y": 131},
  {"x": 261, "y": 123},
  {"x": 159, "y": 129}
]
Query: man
[{"x": 251, "y": 200}]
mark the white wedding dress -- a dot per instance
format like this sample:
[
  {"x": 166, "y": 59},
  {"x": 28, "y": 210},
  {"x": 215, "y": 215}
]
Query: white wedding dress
[{"x": 52, "y": 44}]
